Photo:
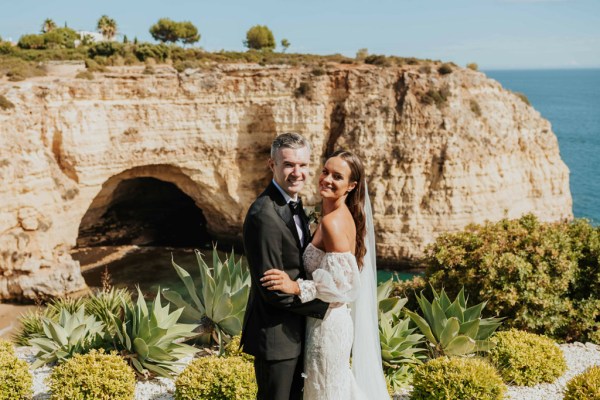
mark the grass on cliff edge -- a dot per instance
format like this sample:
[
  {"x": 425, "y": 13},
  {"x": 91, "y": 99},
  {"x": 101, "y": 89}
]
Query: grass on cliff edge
[{"x": 18, "y": 64}]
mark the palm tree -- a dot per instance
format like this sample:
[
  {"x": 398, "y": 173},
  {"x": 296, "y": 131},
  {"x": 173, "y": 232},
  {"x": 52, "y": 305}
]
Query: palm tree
[
  {"x": 48, "y": 25},
  {"x": 107, "y": 27}
]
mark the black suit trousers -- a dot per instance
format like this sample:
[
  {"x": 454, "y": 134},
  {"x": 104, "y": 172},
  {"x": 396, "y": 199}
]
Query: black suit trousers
[{"x": 279, "y": 379}]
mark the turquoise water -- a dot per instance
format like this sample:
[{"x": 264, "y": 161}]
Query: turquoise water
[{"x": 570, "y": 100}]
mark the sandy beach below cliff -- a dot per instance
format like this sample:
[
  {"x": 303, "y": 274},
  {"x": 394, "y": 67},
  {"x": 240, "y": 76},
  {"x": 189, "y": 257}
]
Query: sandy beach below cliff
[{"x": 9, "y": 317}]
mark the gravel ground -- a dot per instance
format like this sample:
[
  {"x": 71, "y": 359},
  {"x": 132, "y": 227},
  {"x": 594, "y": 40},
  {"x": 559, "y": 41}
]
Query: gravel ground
[{"x": 579, "y": 356}]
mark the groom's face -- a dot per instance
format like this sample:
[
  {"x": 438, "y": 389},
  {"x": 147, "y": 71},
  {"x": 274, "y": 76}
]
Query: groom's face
[{"x": 290, "y": 169}]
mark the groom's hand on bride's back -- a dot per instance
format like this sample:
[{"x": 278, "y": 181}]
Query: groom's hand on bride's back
[{"x": 275, "y": 279}]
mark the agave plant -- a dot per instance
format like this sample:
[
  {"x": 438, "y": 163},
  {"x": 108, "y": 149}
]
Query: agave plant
[
  {"x": 218, "y": 300},
  {"x": 400, "y": 346},
  {"x": 150, "y": 339},
  {"x": 390, "y": 306},
  {"x": 450, "y": 327},
  {"x": 73, "y": 333}
]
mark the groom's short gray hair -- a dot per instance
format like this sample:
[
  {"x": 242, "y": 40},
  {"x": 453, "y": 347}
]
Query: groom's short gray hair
[{"x": 288, "y": 140}]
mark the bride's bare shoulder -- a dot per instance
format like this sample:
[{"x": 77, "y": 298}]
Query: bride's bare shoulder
[{"x": 334, "y": 228}]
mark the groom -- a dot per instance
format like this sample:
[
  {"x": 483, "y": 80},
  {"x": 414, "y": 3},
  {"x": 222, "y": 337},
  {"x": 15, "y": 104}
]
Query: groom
[{"x": 275, "y": 235}]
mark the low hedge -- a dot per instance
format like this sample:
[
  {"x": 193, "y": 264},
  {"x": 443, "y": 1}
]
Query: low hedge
[
  {"x": 216, "y": 378},
  {"x": 15, "y": 380},
  {"x": 457, "y": 378},
  {"x": 526, "y": 359},
  {"x": 585, "y": 386},
  {"x": 91, "y": 376}
]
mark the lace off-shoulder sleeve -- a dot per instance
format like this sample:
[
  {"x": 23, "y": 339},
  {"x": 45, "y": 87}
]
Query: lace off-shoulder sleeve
[{"x": 336, "y": 280}]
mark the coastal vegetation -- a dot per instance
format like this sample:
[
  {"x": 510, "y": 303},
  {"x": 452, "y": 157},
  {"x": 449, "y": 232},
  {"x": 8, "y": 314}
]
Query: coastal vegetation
[
  {"x": 543, "y": 277},
  {"x": 585, "y": 386},
  {"x": 33, "y": 51},
  {"x": 526, "y": 359},
  {"x": 95, "y": 375},
  {"x": 15, "y": 379},
  {"x": 429, "y": 341},
  {"x": 457, "y": 378}
]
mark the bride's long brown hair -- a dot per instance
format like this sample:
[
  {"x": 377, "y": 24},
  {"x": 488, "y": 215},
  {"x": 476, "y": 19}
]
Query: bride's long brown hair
[{"x": 355, "y": 201}]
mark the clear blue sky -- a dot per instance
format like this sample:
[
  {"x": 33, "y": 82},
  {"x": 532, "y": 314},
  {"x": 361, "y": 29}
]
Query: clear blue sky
[{"x": 496, "y": 34}]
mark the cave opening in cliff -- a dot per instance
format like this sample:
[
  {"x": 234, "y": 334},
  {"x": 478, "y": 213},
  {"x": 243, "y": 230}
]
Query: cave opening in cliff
[{"x": 146, "y": 212}]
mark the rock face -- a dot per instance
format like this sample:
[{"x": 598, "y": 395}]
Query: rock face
[{"x": 441, "y": 151}]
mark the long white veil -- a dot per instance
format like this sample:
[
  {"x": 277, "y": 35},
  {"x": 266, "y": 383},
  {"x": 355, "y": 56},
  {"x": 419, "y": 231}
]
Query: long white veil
[{"x": 366, "y": 350}]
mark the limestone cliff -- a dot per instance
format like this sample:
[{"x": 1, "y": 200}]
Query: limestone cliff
[{"x": 441, "y": 151}]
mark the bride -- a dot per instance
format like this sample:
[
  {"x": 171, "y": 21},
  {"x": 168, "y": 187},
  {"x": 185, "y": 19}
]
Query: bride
[{"x": 340, "y": 264}]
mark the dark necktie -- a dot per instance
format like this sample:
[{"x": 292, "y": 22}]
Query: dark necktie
[{"x": 295, "y": 206}]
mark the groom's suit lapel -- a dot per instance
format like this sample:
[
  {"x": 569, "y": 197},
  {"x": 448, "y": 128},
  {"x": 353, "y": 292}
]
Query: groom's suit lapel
[{"x": 284, "y": 212}]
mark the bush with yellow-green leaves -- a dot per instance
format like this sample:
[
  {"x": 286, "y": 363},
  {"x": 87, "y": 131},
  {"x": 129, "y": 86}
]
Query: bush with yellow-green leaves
[
  {"x": 6, "y": 347},
  {"x": 94, "y": 375},
  {"x": 585, "y": 386},
  {"x": 526, "y": 359},
  {"x": 15, "y": 379},
  {"x": 233, "y": 349},
  {"x": 446, "y": 378},
  {"x": 216, "y": 378}
]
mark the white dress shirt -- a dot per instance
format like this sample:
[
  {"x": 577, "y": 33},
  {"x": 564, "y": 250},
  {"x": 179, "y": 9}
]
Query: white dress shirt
[{"x": 296, "y": 217}]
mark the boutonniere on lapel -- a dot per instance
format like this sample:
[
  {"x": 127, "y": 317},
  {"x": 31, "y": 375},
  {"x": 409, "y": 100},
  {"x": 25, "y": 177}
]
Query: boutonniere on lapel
[{"x": 314, "y": 216}]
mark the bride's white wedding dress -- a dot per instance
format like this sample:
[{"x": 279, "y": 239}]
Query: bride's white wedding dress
[{"x": 333, "y": 278}]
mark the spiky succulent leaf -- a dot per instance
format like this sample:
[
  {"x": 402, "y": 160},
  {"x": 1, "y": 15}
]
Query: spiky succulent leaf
[{"x": 151, "y": 336}]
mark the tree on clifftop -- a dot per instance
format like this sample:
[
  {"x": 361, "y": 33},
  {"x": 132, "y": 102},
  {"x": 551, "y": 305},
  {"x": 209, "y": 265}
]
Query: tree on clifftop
[
  {"x": 107, "y": 27},
  {"x": 285, "y": 44},
  {"x": 167, "y": 30},
  {"x": 188, "y": 33},
  {"x": 260, "y": 37},
  {"x": 48, "y": 25}
]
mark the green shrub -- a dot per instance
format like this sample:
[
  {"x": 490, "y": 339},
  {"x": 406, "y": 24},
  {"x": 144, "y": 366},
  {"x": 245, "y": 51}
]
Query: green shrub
[
  {"x": 6, "y": 48},
  {"x": 32, "y": 41},
  {"x": 160, "y": 52},
  {"x": 409, "y": 290},
  {"x": 585, "y": 386},
  {"x": 5, "y": 103},
  {"x": 457, "y": 378},
  {"x": 60, "y": 38},
  {"x": 105, "y": 49},
  {"x": 436, "y": 96},
  {"x": 303, "y": 90},
  {"x": 93, "y": 376},
  {"x": 93, "y": 66},
  {"x": 6, "y": 347},
  {"x": 216, "y": 378},
  {"x": 445, "y": 69},
  {"x": 233, "y": 349},
  {"x": 541, "y": 276},
  {"x": 526, "y": 359},
  {"x": 474, "y": 105},
  {"x": 473, "y": 66},
  {"x": 15, "y": 380},
  {"x": 376, "y": 59},
  {"x": 16, "y": 69}
]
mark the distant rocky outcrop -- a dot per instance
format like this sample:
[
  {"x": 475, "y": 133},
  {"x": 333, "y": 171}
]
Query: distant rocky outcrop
[{"x": 441, "y": 151}]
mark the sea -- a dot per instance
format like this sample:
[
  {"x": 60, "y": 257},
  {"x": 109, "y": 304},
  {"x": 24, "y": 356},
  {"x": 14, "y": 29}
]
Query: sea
[{"x": 570, "y": 100}]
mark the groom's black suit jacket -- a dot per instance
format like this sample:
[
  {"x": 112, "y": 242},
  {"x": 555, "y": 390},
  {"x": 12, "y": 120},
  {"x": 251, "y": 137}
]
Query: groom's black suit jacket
[{"x": 274, "y": 324}]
